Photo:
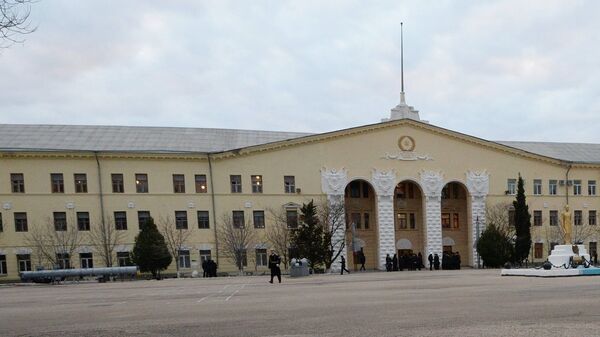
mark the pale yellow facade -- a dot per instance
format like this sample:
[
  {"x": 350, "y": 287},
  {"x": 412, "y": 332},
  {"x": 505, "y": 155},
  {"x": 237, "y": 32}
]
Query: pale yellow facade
[{"x": 357, "y": 154}]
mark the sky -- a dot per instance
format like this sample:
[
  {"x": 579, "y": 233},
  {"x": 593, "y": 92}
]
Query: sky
[{"x": 499, "y": 70}]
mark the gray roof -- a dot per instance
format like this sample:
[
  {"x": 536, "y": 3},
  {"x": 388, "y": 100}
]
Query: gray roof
[
  {"x": 21, "y": 137},
  {"x": 574, "y": 152},
  {"x": 27, "y": 137}
]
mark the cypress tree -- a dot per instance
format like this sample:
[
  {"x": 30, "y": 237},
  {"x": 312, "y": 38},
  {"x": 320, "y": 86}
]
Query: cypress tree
[
  {"x": 308, "y": 237},
  {"x": 150, "y": 252},
  {"x": 522, "y": 224}
]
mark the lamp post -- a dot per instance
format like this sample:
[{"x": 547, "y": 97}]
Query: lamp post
[{"x": 477, "y": 241}]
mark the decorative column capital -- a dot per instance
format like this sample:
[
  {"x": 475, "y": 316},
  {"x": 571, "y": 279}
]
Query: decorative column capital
[
  {"x": 478, "y": 183},
  {"x": 432, "y": 183},
  {"x": 384, "y": 182},
  {"x": 333, "y": 181}
]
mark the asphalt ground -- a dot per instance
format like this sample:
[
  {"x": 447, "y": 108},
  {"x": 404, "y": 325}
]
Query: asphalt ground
[{"x": 442, "y": 303}]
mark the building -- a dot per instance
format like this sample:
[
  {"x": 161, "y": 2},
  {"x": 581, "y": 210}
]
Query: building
[{"x": 407, "y": 185}]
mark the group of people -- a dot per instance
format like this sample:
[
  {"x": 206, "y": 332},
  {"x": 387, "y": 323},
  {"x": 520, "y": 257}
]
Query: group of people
[
  {"x": 410, "y": 261},
  {"x": 450, "y": 260},
  {"x": 209, "y": 268},
  {"x": 358, "y": 256}
]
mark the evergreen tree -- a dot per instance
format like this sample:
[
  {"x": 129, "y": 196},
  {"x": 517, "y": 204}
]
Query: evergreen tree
[
  {"x": 308, "y": 237},
  {"x": 494, "y": 247},
  {"x": 522, "y": 224},
  {"x": 150, "y": 252}
]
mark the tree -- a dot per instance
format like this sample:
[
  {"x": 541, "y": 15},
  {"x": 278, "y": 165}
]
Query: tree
[
  {"x": 50, "y": 243},
  {"x": 331, "y": 217},
  {"x": 150, "y": 251},
  {"x": 235, "y": 239},
  {"x": 494, "y": 247},
  {"x": 14, "y": 21},
  {"x": 308, "y": 237},
  {"x": 175, "y": 238},
  {"x": 105, "y": 237},
  {"x": 279, "y": 234},
  {"x": 522, "y": 224}
]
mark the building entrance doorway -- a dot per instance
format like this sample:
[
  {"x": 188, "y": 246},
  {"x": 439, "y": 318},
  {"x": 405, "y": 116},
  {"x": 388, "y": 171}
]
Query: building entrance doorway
[{"x": 361, "y": 224}]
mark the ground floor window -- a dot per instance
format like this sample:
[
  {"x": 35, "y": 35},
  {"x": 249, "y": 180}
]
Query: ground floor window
[
  {"x": 261, "y": 257},
  {"x": 538, "y": 250},
  {"x": 3, "y": 270},
  {"x": 86, "y": 260},
  {"x": 204, "y": 255},
  {"x": 24, "y": 262},
  {"x": 124, "y": 259},
  {"x": 593, "y": 248},
  {"x": 447, "y": 249},
  {"x": 63, "y": 260},
  {"x": 184, "y": 259}
]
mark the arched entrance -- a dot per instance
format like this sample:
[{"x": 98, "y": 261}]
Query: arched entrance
[
  {"x": 455, "y": 231},
  {"x": 361, "y": 223},
  {"x": 409, "y": 218}
]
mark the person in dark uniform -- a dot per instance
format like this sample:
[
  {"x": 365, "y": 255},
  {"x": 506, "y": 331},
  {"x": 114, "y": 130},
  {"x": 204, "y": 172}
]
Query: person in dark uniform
[
  {"x": 343, "y": 263},
  {"x": 430, "y": 259},
  {"x": 420, "y": 258},
  {"x": 204, "y": 269},
  {"x": 388, "y": 263},
  {"x": 362, "y": 259},
  {"x": 458, "y": 260},
  {"x": 274, "y": 261},
  {"x": 436, "y": 261},
  {"x": 395, "y": 263}
]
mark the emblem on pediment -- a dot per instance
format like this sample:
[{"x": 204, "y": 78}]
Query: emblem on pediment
[
  {"x": 406, "y": 143},
  {"x": 384, "y": 182},
  {"x": 333, "y": 181},
  {"x": 432, "y": 183},
  {"x": 478, "y": 182},
  {"x": 407, "y": 151}
]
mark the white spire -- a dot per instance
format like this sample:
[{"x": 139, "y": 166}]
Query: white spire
[{"x": 402, "y": 110}]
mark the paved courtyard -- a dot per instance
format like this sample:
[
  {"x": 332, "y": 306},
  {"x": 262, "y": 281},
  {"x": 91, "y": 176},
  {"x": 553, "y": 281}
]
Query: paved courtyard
[{"x": 443, "y": 303}]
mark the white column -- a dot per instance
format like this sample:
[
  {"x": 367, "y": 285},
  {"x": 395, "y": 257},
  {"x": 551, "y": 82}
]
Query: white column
[
  {"x": 333, "y": 183},
  {"x": 478, "y": 184},
  {"x": 432, "y": 183},
  {"x": 384, "y": 183}
]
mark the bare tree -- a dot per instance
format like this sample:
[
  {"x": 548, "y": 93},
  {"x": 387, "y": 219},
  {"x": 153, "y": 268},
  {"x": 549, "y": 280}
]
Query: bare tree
[
  {"x": 497, "y": 216},
  {"x": 279, "y": 234},
  {"x": 50, "y": 243},
  {"x": 579, "y": 234},
  {"x": 331, "y": 215},
  {"x": 175, "y": 238},
  {"x": 105, "y": 237},
  {"x": 14, "y": 21},
  {"x": 235, "y": 239}
]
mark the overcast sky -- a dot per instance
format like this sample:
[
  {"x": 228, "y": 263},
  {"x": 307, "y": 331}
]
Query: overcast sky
[{"x": 500, "y": 70}]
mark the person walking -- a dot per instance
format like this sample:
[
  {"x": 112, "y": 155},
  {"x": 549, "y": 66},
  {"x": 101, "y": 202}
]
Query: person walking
[
  {"x": 274, "y": 262},
  {"x": 430, "y": 259},
  {"x": 362, "y": 259},
  {"x": 436, "y": 261},
  {"x": 343, "y": 263}
]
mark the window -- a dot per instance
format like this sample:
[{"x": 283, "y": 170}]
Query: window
[
  {"x": 538, "y": 250},
  {"x": 178, "y": 183},
  {"x": 455, "y": 221},
  {"x": 355, "y": 218},
  {"x": 511, "y": 217},
  {"x": 401, "y": 217},
  {"x": 537, "y": 187},
  {"x": 86, "y": 260},
  {"x": 121, "y": 221},
  {"x": 141, "y": 183},
  {"x": 366, "y": 222},
  {"x": 80, "y": 183},
  {"x": 24, "y": 262},
  {"x": 445, "y": 220},
  {"x": 593, "y": 248},
  {"x": 143, "y": 218},
  {"x": 238, "y": 219},
  {"x": 578, "y": 218},
  {"x": 3, "y": 270},
  {"x": 552, "y": 245},
  {"x": 124, "y": 259},
  {"x": 203, "y": 220},
  {"x": 83, "y": 221},
  {"x": 259, "y": 219},
  {"x": 184, "y": 259},
  {"x": 552, "y": 187},
  {"x": 261, "y": 258},
  {"x": 17, "y": 181},
  {"x": 204, "y": 255},
  {"x": 257, "y": 186},
  {"x": 64, "y": 261},
  {"x": 576, "y": 187},
  {"x": 591, "y": 187},
  {"x": 512, "y": 186},
  {"x": 289, "y": 184},
  {"x": 365, "y": 190},
  {"x": 60, "y": 221},
  {"x": 181, "y": 221},
  {"x": 554, "y": 218},
  {"x": 291, "y": 216},
  {"x": 1, "y": 224},
  {"x": 117, "y": 183},
  {"x": 20, "y": 222},
  {"x": 592, "y": 218},
  {"x": 537, "y": 218},
  {"x": 57, "y": 183},
  {"x": 236, "y": 183},
  {"x": 355, "y": 189},
  {"x": 200, "y": 183}
]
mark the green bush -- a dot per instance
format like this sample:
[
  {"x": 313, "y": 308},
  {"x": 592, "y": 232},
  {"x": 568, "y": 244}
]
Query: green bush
[{"x": 494, "y": 248}]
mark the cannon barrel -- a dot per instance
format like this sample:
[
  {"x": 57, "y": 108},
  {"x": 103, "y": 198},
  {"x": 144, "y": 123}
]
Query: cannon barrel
[{"x": 80, "y": 272}]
